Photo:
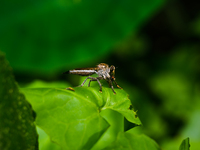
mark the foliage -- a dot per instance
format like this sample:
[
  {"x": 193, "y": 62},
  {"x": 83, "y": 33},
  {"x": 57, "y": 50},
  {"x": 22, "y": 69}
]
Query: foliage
[
  {"x": 49, "y": 35},
  {"x": 132, "y": 141},
  {"x": 86, "y": 118},
  {"x": 153, "y": 45},
  {"x": 17, "y": 129},
  {"x": 185, "y": 145}
]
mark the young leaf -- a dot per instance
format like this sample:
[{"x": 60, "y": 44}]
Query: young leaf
[
  {"x": 73, "y": 119},
  {"x": 17, "y": 129}
]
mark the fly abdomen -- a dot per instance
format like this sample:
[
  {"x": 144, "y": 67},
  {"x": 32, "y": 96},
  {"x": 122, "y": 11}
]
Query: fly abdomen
[{"x": 82, "y": 72}]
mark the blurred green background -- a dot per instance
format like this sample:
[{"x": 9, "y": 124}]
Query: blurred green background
[{"x": 154, "y": 44}]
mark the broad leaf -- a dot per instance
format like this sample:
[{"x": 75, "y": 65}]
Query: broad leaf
[{"x": 73, "y": 119}]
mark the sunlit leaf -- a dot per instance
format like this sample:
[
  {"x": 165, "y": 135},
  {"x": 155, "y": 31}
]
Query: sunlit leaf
[
  {"x": 44, "y": 141},
  {"x": 73, "y": 119}
]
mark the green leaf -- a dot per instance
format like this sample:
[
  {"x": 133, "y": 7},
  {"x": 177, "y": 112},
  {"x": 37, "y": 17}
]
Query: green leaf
[
  {"x": 17, "y": 129},
  {"x": 81, "y": 119},
  {"x": 49, "y": 35},
  {"x": 132, "y": 141},
  {"x": 185, "y": 145},
  {"x": 116, "y": 122},
  {"x": 44, "y": 141}
]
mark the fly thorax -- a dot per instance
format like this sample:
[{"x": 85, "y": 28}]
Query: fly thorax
[
  {"x": 104, "y": 73},
  {"x": 108, "y": 72},
  {"x": 100, "y": 73},
  {"x": 108, "y": 75}
]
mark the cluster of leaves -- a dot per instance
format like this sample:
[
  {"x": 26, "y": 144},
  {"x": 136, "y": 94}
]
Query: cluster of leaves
[
  {"x": 84, "y": 119},
  {"x": 161, "y": 65}
]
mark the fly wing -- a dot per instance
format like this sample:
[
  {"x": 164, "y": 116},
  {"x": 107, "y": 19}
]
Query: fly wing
[{"x": 82, "y": 71}]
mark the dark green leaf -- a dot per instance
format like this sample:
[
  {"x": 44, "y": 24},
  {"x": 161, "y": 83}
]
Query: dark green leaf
[
  {"x": 17, "y": 129},
  {"x": 80, "y": 119},
  {"x": 185, "y": 145},
  {"x": 48, "y": 35}
]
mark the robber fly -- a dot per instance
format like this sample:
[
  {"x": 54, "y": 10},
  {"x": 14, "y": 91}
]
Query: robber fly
[{"x": 103, "y": 71}]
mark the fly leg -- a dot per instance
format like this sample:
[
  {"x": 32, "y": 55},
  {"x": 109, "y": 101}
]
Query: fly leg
[
  {"x": 92, "y": 79},
  {"x": 70, "y": 88},
  {"x": 99, "y": 84},
  {"x": 97, "y": 79},
  {"x": 81, "y": 84},
  {"x": 111, "y": 85},
  {"x": 117, "y": 85},
  {"x": 89, "y": 83}
]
